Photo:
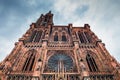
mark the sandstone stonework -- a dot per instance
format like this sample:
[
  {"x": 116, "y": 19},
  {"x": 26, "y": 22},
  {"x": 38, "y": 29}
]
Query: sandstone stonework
[{"x": 57, "y": 52}]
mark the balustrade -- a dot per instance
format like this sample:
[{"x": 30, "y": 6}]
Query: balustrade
[
  {"x": 60, "y": 44},
  {"x": 33, "y": 44}
]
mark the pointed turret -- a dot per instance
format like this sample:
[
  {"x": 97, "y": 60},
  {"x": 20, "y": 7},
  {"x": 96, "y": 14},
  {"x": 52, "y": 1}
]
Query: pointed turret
[{"x": 45, "y": 20}]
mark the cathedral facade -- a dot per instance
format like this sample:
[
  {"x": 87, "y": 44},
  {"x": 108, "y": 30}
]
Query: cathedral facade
[{"x": 58, "y": 52}]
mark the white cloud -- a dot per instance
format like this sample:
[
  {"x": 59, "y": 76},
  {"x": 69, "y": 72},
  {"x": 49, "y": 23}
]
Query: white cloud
[
  {"x": 6, "y": 47},
  {"x": 31, "y": 2}
]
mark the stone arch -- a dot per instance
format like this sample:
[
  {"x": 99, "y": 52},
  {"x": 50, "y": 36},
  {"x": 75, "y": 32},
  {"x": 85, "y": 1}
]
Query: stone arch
[
  {"x": 74, "y": 36},
  {"x": 52, "y": 36},
  {"x": 36, "y": 36},
  {"x": 60, "y": 60},
  {"x": 30, "y": 59},
  {"x": 55, "y": 33},
  {"x": 51, "y": 53},
  {"x": 91, "y": 59},
  {"x": 64, "y": 36},
  {"x": 56, "y": 37},
  {"x": 68, "y": 54},
  {"x": 81, "y": 36}
]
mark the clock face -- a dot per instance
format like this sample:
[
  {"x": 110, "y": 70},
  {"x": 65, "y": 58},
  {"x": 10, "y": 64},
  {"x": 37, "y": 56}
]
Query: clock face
[{"x": 60, "y": 61}]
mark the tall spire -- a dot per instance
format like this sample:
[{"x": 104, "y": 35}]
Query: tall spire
[{"x": 45, "y": 20}]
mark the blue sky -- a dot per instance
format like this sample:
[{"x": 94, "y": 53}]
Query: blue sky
[{"x": 102, "y": 15}]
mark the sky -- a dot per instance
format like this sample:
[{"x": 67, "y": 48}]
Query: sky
[{"x": 102, "y": 15}]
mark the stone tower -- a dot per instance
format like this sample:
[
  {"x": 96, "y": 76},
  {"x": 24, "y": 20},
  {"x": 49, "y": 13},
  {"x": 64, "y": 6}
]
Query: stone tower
[{"x": 57, "y": 52}]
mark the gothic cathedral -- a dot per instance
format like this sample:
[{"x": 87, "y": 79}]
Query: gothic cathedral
[{"x": 58, "y": 52}]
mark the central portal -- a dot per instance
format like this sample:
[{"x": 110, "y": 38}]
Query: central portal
[{"x": 60, "y": 65}]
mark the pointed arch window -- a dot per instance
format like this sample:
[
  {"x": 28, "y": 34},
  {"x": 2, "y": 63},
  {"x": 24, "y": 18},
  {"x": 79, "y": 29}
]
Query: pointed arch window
[
  {"x": 85, "y": 37},
  {"x": 36, "y": 36},
  {"x": 82, "y": 37},
  {"x": 56, "y": 37},
  {"x": 30, "y": 61},
  {"x": 32, "y": 36},
  {"x": 91, "y": 63},
  {"x": 64, "y": 37},
  {"x": 89, "y": 39}
]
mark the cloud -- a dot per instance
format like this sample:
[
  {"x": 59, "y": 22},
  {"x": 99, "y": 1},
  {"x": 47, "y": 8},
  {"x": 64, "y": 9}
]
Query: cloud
[{"x": 6, "y": 48}]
